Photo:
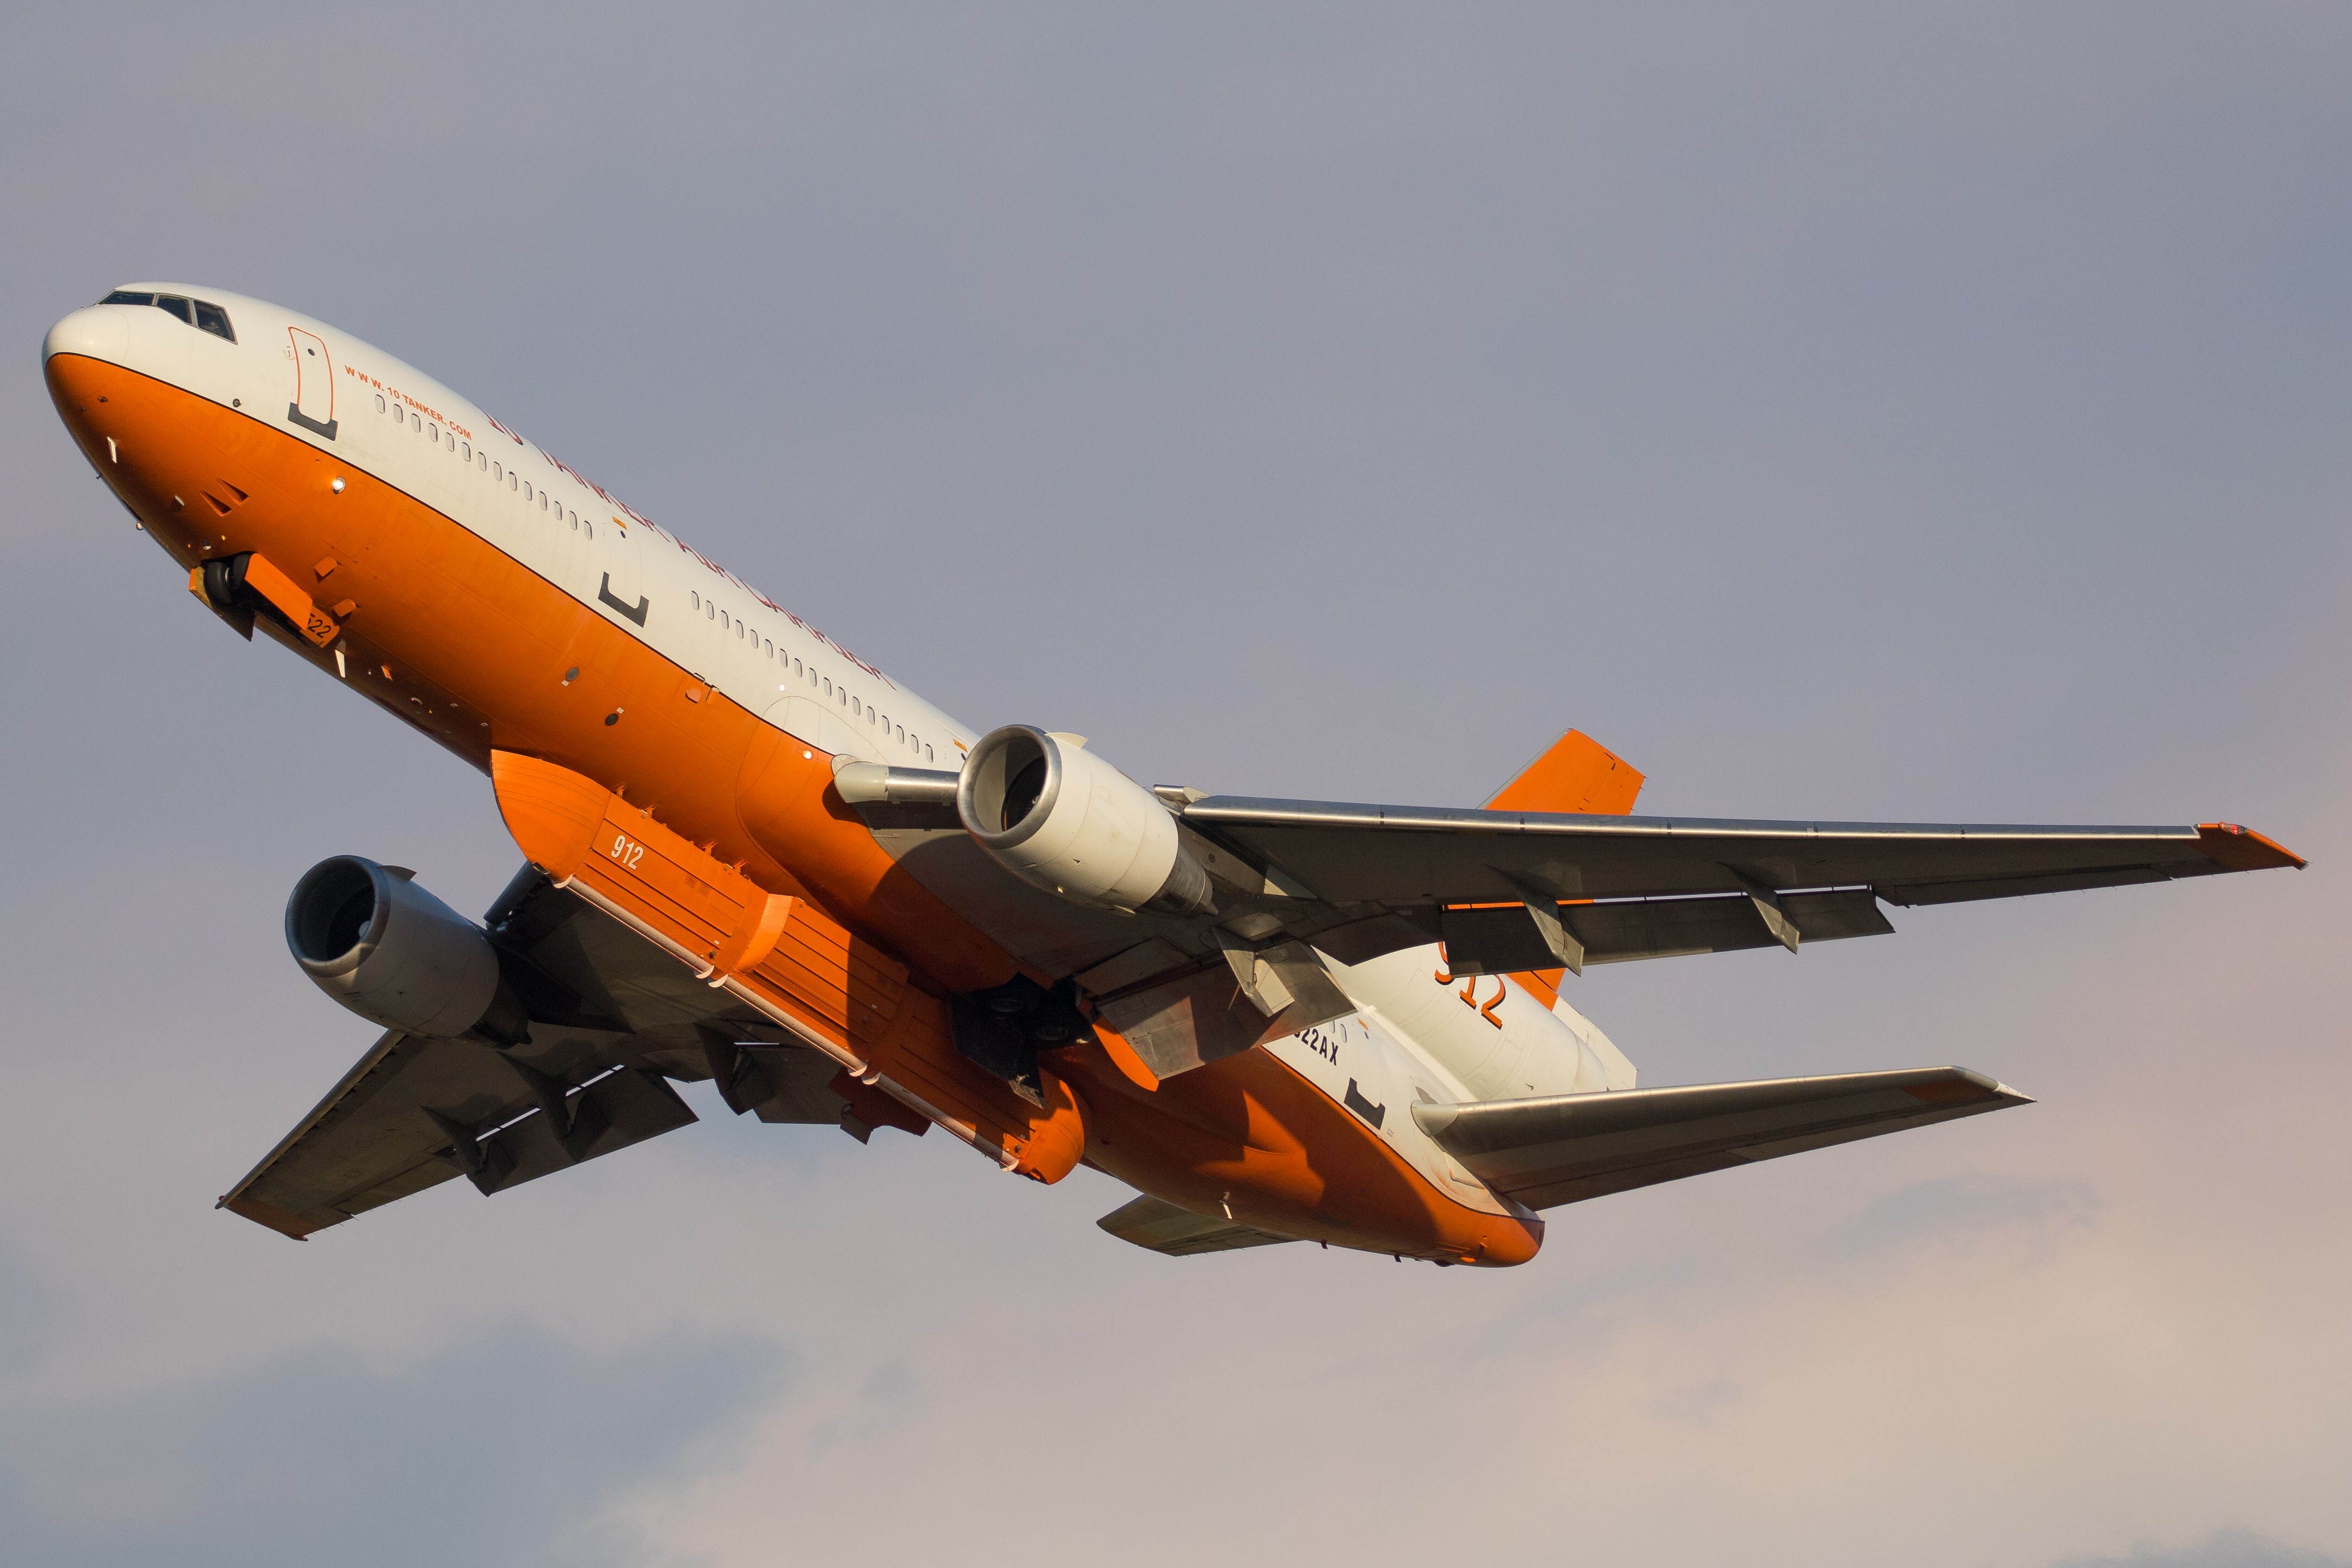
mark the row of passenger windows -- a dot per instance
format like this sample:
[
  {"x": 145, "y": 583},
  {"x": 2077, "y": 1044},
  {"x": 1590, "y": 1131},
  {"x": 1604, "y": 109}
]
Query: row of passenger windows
[
  {"x": 766, "y": 648},
  {"x": 202, "y": 313},
  {"x": 841, "y": 695},
  {"x": 498, "y": 472}
]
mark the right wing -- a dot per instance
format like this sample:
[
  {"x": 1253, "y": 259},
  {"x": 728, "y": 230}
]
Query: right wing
[
  {"x": 1565, "y": 1148},
  {"x": 613, "y": 1020}
]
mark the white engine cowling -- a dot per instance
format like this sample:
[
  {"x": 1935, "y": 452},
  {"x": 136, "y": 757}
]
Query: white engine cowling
[
  {"x": 1060, "y": 817},
  {"x": 390, "y": 951}
]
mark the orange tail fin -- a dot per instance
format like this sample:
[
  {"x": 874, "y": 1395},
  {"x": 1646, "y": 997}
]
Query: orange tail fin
[
  {"x": 1576, "y": 774},
  {"x": 1580, "y": 775}
]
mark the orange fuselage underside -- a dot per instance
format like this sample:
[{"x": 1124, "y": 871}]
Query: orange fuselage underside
[{"x": 470, "y": 646}]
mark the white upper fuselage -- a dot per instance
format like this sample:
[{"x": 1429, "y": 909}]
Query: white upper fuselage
[{"x": 1416, "y": 1038}]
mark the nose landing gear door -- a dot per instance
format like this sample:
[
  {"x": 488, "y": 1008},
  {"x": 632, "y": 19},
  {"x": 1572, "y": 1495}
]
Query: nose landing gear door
[{"x": 313, "y": 407}]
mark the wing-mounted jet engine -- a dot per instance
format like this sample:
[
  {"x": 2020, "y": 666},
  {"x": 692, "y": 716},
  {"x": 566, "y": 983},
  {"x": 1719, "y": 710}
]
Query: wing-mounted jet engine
[
  {"x": 369, "y": 936},
  {"x": 1059, "y": 818}
]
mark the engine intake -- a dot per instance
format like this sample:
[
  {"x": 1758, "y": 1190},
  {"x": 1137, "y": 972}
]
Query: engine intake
[
  {"x": 393, "y": 954},
  {"x": 1060, "y": 817}
]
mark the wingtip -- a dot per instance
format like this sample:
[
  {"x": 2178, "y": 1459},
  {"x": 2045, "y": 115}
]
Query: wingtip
[
  {"x": 268, "y": 1215},
  {"x": 2242, "y": 849}
]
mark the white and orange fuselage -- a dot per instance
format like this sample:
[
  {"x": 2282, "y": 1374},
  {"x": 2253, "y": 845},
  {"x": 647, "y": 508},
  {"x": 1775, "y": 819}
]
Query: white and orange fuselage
[{"x": 466, "y": 580}]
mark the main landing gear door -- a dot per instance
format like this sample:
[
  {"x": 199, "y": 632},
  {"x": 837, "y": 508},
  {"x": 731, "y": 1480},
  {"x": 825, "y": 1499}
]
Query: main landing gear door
[{"x": 313, "y": 407}]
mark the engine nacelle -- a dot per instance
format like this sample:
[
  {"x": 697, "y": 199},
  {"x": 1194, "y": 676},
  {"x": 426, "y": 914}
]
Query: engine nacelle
[
  {"x": 1060, "y": 817},
  {"x": 393, "y": 953}
]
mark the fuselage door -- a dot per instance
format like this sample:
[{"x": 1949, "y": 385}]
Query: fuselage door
[
  {"x": 313, "y": 407},
  {"x": 807, "y": 719},
  {"x": 613, "y": 568}
]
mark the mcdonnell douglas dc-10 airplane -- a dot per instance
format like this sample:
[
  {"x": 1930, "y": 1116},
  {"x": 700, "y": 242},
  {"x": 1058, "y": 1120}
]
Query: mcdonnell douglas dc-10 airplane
[{"x": 753, "y": 857}]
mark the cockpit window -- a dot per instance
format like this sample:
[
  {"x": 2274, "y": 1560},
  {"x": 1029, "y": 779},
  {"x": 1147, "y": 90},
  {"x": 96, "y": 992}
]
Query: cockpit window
[{"x": 200, "y": 313}]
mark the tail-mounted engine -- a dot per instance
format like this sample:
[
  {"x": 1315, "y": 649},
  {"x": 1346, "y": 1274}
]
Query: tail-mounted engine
[
  {"x": 395, "y": 955},
  {"x": 1060, "y": 817}
]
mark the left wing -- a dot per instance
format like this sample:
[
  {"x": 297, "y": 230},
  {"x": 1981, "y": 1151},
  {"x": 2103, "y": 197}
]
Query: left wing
[
  {"x": 1506, "y": 891},
  {"x": 1517, "y": 890},
  {"x": 1347, "y": 854}
]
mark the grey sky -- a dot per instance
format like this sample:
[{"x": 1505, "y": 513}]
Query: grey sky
[{"x": 1910, "y": 413}]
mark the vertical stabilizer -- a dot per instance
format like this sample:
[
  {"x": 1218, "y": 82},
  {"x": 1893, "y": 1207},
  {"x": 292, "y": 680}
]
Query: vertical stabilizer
[{"x": 1577, "y": 774}]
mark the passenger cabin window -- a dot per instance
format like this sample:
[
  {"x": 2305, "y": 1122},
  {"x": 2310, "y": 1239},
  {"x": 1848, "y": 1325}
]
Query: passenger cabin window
[{"x": 465, "y": 452}]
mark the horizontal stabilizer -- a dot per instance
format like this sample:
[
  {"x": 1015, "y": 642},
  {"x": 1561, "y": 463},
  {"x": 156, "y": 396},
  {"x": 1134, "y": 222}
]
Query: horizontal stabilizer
[
  {"x": 1162, "y": 1226},
  {"x": 1565, "y": 1148}
]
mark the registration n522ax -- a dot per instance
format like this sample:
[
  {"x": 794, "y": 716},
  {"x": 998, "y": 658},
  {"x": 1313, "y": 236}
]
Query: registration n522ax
[{"x": 751, "y": 857}]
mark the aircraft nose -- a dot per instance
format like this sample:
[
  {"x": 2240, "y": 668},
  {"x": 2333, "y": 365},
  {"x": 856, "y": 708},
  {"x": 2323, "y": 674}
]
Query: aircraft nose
[{"x": 97, "y": 331}]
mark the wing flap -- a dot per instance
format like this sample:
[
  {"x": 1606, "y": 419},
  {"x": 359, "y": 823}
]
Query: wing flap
[
  {"x": 1559, "y": 1149},
  {"x": 1498, "y": 939},
  {"x": 416, "y": 1110}
]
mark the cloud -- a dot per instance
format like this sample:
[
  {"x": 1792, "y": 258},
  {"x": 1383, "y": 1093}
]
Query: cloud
[
  {"x": 2225, "y": 1549},
  {"x": 506, "y": 1448},
  {"x": 1953, "y": 1210}
]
